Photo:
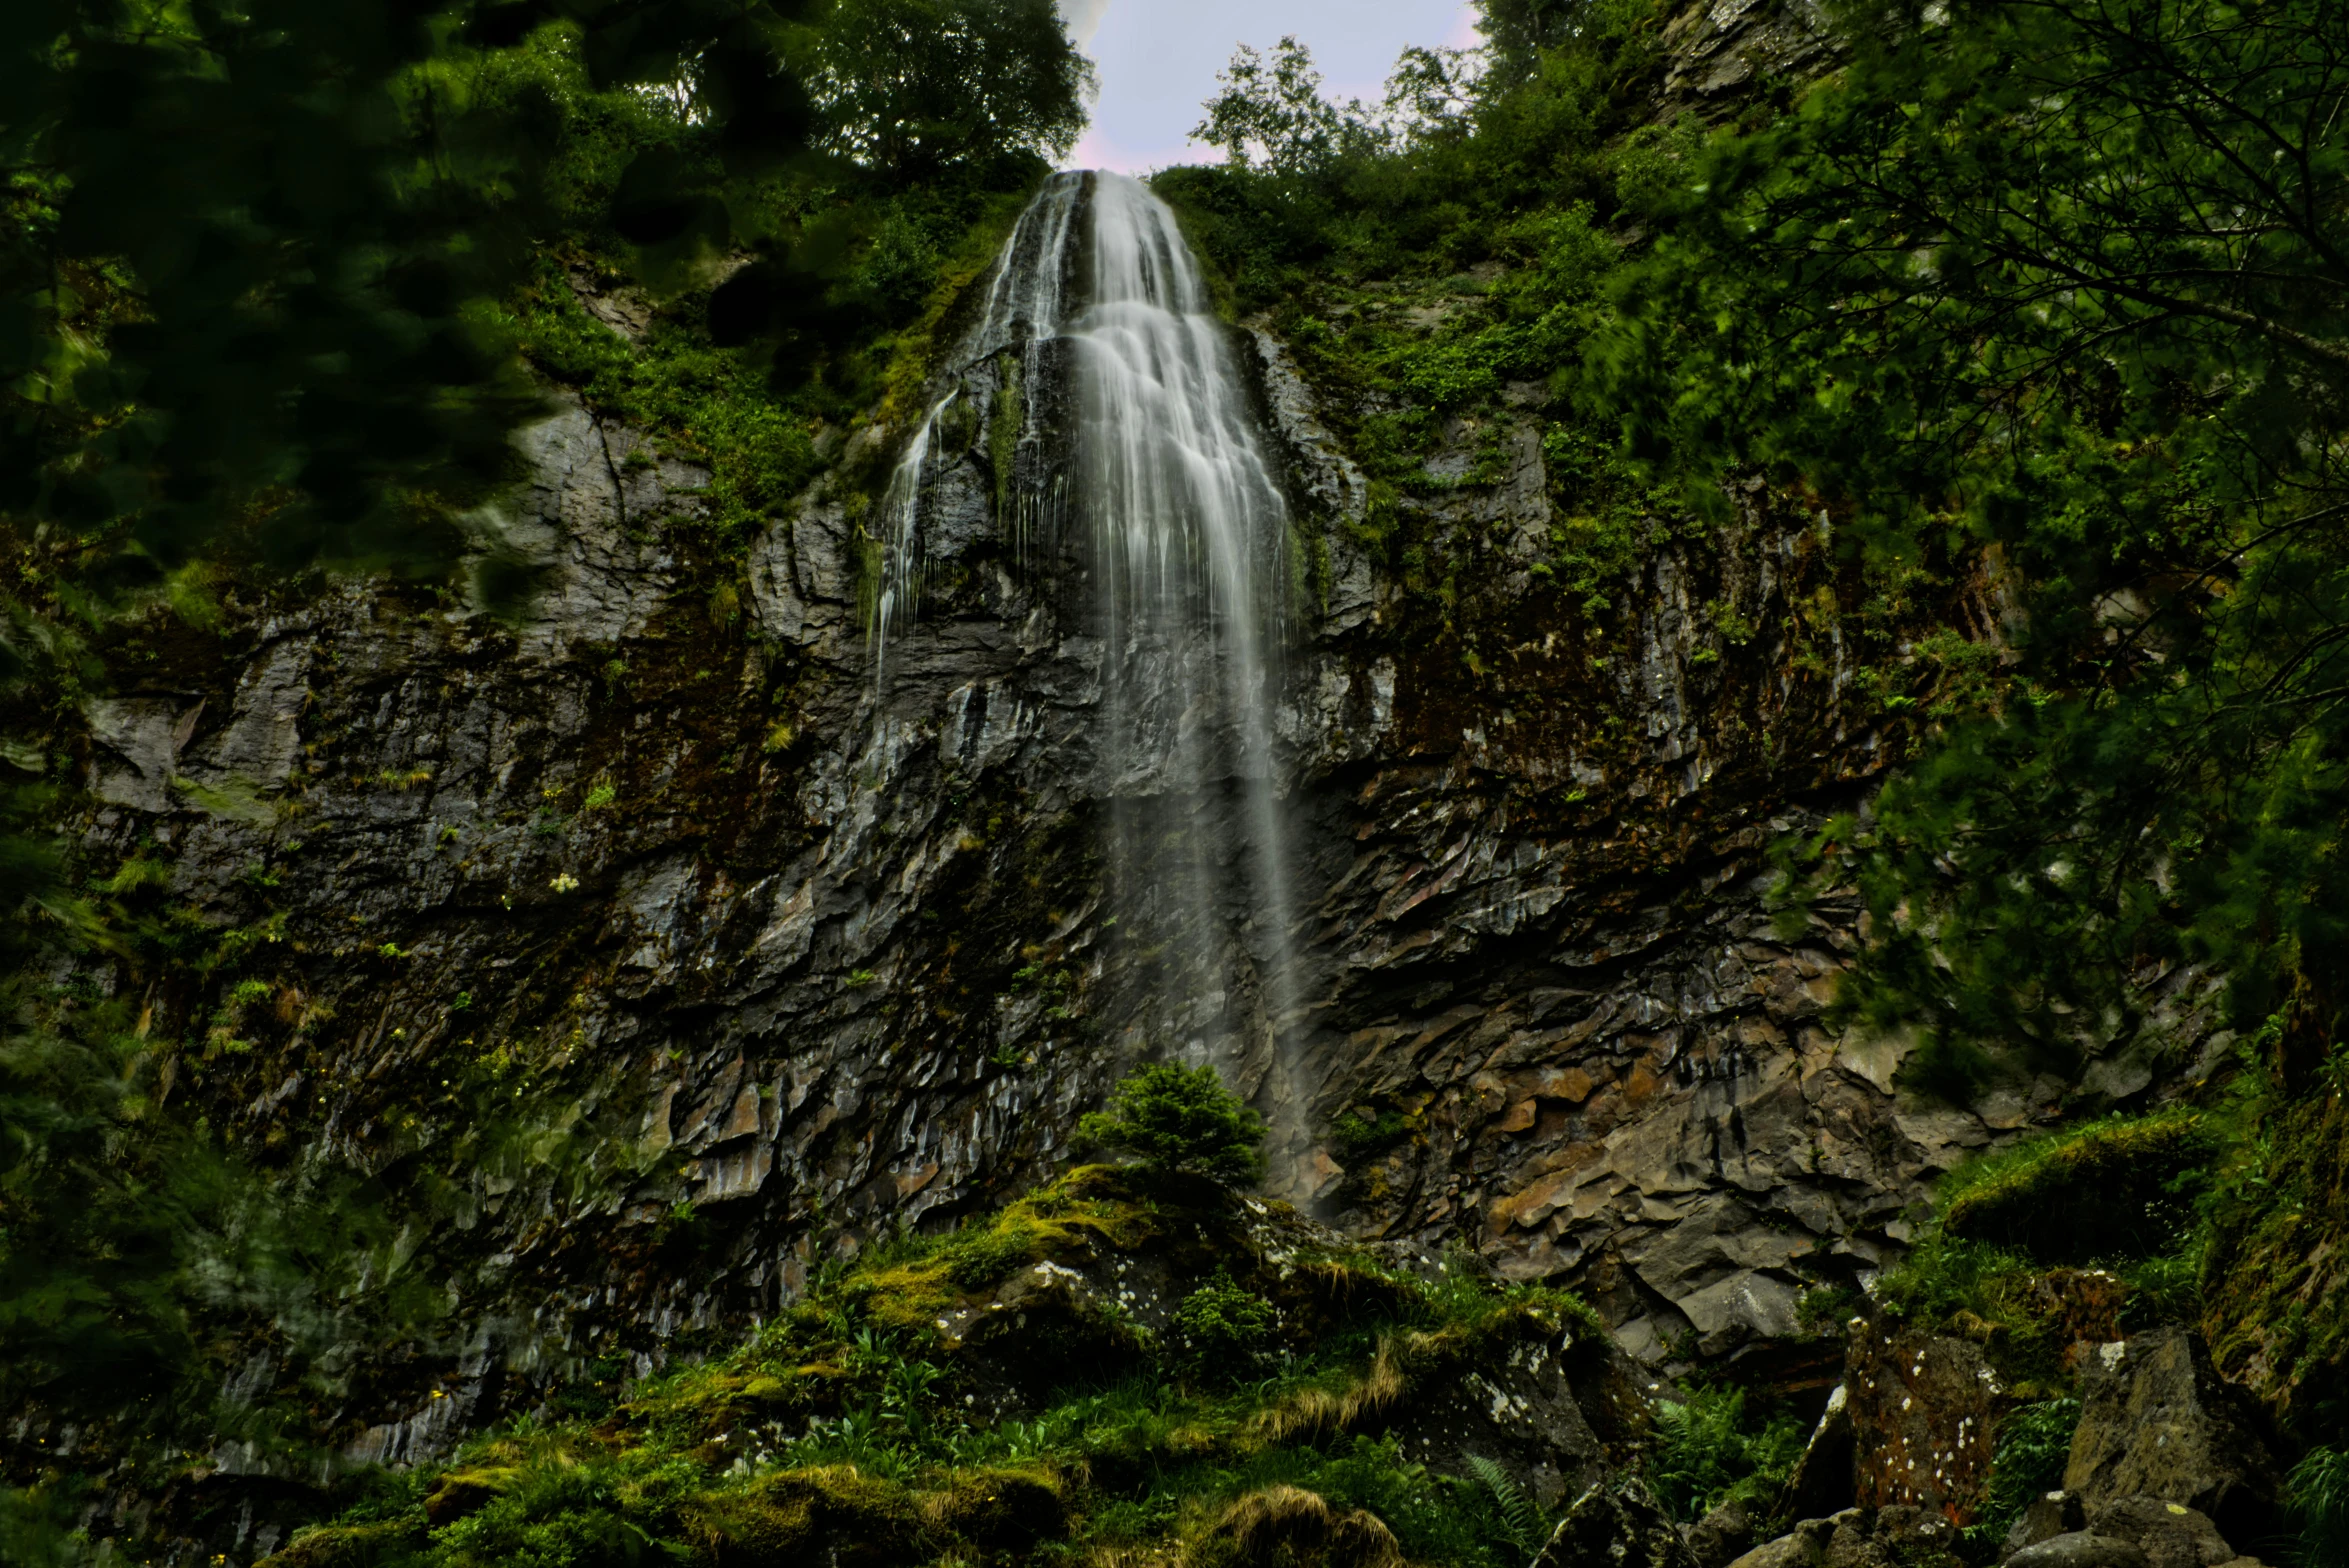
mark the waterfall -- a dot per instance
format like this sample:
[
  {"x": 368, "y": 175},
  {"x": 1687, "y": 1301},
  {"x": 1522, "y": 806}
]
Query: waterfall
[{"x": 1143, "y": 493}]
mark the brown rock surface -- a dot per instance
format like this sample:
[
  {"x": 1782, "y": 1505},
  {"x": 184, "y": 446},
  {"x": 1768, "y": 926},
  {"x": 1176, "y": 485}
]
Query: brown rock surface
[{"x": 1921, "y": 1420}]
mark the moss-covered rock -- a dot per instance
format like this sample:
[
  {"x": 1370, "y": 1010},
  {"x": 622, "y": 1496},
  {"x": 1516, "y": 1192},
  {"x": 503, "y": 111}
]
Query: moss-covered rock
[
  {"x": 836, "y": 1514},
  {"x": 1010, "y": 1510},
  {"x": 347, "y": 1546},
  {"x": 2275, "y": 1282},
  {"x": 2109, "y": 1189},
  {"x": 465, "y": 1491}
]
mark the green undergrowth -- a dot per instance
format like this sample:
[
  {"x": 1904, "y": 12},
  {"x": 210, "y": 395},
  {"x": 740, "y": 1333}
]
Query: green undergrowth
[
  {"x": 2088, "y": 1232},
  {"x": 1720, "y": 1443},
  {"x": 941, "y": 1400},
  {"x": 1442, "y": 293},
  {"x": 699, "y": 403},
  {"x": 2228, "y": 1214}
]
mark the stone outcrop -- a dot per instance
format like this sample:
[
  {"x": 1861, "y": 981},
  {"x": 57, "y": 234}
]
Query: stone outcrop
[
  {"x": 2158, "y": 1423},
  {"x": 2049, "y": 1515},
  {"x": 1822, "y": 1484},
  {"x": 1723, "y": 1535},
  {"x": 1898, "y": 1537},
  {"x": 2171, "y": 1535},
  {"x": 2081, "y": 1549}
]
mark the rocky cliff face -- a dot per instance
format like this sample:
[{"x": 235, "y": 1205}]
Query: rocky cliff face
[
  {"x": 742, "y": 936},
  {"x": 767, "y": 961}
]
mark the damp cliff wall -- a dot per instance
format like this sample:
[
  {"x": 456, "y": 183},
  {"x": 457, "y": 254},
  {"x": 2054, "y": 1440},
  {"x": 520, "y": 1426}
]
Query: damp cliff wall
[{"x": 767, "y": 963}]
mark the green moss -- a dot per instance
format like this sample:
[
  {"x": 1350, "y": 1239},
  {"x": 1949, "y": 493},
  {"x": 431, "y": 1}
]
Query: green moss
[
  {"x": 349, "y": 1546},
  {"x": 1089, "y": 1209},
  {"x": 2112, "y": 1189},
  {"x": 1003, "y": 437},
  {"x": 913, "y": 358},
  {"x": 2274, "y": 1278},
  {"x": 835, "y": 1513}
]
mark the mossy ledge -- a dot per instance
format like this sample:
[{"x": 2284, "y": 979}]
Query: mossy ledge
[{"x": 1045, "y": 1385}]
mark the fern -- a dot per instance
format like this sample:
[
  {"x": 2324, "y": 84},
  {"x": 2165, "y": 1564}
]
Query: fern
[{"x": 1519, "y": 1517}]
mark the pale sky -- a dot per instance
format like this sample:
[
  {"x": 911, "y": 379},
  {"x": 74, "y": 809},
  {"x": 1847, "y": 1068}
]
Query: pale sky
[{"x": 1158, "y": 61}]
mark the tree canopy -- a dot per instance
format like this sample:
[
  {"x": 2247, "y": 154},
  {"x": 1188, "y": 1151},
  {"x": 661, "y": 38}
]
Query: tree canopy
[
  {"x": 911, "y": 87},
  {"x": 2064, "y": 282}
]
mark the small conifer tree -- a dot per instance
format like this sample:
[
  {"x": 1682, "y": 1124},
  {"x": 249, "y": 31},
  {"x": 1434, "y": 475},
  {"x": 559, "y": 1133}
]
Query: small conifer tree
[{"x": 1180, "y": 1119}]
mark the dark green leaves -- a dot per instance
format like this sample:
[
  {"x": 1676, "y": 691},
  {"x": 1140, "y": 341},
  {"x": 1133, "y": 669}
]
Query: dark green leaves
[
  {"x": 1180, "y": 1119},
  {"x": 2065, "y": 282},
  {"x": 913, "y": 87}
]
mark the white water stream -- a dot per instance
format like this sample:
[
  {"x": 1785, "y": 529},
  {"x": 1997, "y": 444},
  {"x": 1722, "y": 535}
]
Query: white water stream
[{"x": 1137, "y": 432}]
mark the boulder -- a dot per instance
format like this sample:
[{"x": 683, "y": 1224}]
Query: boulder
[
  {"x": 1916, "y": 1538},
  {"x": 2157, "y": 1421},
  {"x": 1896, "y": 1537},
  {"x": 2170, "y": 1534},
  {"x": 2050, "y": 1515},
  {"x": 1921, "y": 1420},
  {"x": 1805, "y": 1546},
  {"x": 1616, "y": 1527},
  {"x": 1721, "y": 1536},
  {"x": 2079, "y": 1549}
]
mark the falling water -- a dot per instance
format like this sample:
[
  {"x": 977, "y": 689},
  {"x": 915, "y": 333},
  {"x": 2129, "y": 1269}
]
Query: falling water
[
  {"x": 1023, "y": 309},
  {"x": 1144, "y": 473}
]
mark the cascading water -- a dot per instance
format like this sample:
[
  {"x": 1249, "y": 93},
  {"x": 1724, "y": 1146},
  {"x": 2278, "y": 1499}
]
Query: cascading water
[{"x": 1143, "y": 477}]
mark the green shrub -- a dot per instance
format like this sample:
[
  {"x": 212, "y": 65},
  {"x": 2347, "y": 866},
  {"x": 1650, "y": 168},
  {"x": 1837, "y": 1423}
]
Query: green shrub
[
  {"x": 1180, "y": 1119},
  {"x": 1355, "y": 1138},
  {"x": 1222, "y": 1330}
]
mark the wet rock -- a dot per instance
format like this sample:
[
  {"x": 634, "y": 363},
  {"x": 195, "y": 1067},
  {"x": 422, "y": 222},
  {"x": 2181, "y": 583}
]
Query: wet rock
[
  {"x": 1722, "y": 1535},
  {"x": 1805, "y": 1546},
  {"x": 2079, "y": 1549},
  {"x": 2170, "y": 1534},
  {"x": 1618, "y": 1526},
  {"x": 1921, "y": 1419},
  {"x": 1822, "y": 1484},
  {"x": 1916, "y": 1538},
  {"x": 2157, "y": 1421},
  {"x": 2050, "y": 1515}
]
